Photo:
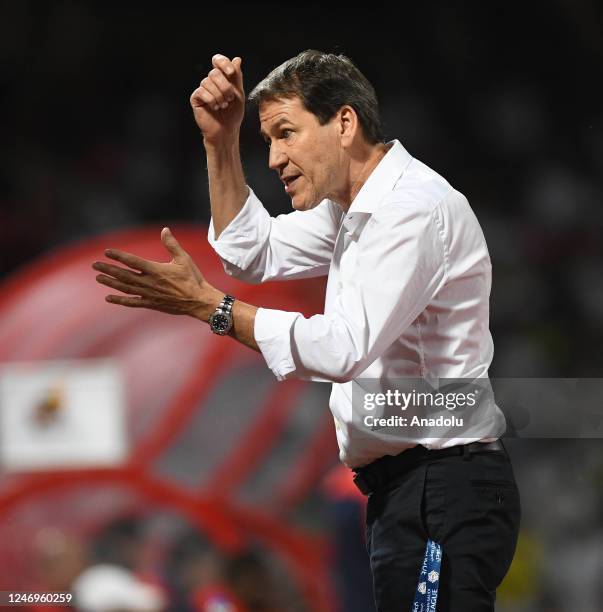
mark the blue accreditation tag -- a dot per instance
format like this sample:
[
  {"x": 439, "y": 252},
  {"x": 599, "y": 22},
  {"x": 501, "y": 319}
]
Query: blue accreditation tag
[{"x": 426, "y": 596}]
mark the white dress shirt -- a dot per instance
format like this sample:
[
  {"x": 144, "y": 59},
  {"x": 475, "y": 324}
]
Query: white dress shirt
[{"x": 407, "y": 295}]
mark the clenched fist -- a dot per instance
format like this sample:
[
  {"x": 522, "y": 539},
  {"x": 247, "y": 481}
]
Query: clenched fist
[{"x": 219, "y": 101}]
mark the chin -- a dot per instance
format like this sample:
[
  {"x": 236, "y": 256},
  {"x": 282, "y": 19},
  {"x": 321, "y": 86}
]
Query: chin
[{"x": 302, "y": 204}]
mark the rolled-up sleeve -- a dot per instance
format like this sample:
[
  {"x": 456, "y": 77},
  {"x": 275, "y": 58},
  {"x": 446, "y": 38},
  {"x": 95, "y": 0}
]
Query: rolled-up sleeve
[
  {"x": 272, "y": 332},
  {"x": 240, "y": 241},
  {"x": 401, "y": 264},
  {"x": 256, "y": 247}
]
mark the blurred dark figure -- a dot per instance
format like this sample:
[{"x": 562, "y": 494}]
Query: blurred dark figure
[
  {"x": 59, "y": 557},
  {"x": 112, "y": 582},
  {"x": 251, "y": 580},
  {"x": 346, "y": 508},
  {"x": 119, "y": 543},
  {"x": 193, "y": 573}
]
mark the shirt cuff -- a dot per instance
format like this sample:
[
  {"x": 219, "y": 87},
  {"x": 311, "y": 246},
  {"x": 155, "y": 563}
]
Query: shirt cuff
[
  {"x": 272, "y": 332},
  {"x": 239, "y": 240}
]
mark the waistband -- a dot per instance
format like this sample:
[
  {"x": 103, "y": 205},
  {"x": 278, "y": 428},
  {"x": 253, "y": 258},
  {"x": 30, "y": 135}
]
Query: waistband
[{"x": 375, "y": 475}]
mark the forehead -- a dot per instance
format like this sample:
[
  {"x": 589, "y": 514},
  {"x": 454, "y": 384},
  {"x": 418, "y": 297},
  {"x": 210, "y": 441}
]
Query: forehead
[{"x": 279, "y": 110}]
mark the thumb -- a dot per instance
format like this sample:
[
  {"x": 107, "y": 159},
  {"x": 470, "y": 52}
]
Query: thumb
[
  {"x": 237, "y": 61},
  {"x": 170, "y": 243}
]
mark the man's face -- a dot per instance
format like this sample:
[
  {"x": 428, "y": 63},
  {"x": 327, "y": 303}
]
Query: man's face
[{"x": 307, "y": 156}]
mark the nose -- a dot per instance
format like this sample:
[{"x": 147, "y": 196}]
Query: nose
[{"x": 277, "y": 158}]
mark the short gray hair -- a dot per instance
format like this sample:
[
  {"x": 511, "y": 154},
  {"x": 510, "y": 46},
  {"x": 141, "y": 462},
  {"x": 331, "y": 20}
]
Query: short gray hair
[{"x": 324, "y": 82}]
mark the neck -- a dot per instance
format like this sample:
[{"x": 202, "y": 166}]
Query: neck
[{"x": 361, "y": 167}]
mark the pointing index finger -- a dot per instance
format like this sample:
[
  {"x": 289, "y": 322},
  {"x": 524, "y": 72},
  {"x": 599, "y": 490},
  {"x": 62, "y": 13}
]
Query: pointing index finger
[{"x": 133, "y": 261}]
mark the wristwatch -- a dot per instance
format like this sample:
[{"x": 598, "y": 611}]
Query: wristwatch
[{"x": 220, "y": 322}]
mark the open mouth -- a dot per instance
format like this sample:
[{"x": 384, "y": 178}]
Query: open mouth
[{"x": 289, "y": 182}]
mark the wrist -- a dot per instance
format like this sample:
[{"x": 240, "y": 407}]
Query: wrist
[
  {"x": 209, "y": 300},
  {"x": 225, "y": 146}
]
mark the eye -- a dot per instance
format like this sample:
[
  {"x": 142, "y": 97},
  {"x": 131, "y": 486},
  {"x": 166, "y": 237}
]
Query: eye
[{"x": 285, "y": 133}]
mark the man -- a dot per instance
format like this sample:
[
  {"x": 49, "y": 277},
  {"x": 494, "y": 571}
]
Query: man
[{"x": 407, "y": 297}]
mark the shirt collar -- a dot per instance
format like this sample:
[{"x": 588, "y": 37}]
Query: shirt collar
[{"x": 382, "y": 180}]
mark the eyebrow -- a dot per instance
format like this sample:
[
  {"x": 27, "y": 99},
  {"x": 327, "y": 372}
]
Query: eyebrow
[{"x": 276, "y": 125}]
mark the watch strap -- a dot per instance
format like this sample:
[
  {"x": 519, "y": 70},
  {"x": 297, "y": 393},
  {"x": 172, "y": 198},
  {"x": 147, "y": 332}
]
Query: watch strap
[{"x": 226, "y": 303}]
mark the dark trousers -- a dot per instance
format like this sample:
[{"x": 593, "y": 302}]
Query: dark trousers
[{"x": 468, "y": 504}]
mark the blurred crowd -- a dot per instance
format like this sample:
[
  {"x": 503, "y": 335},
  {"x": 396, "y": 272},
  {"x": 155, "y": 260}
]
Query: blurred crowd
[
  {"x": 151, "y": 560},
  {"x": 121, "y": 567}
]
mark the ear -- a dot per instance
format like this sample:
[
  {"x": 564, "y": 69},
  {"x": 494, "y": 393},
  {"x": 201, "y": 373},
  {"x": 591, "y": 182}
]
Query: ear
[{"x": 347, "y": 125}]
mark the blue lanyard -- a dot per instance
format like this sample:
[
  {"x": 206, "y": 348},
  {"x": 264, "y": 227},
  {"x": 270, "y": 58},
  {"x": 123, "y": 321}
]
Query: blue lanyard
[{"x": 429, "y": 579}]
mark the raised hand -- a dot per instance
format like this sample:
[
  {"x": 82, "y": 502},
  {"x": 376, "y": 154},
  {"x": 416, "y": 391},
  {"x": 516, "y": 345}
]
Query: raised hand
[{"x": 219, "y": 101}]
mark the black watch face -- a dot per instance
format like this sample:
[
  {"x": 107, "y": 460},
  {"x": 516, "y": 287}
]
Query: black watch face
[{"x": 220, "y": 323}]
